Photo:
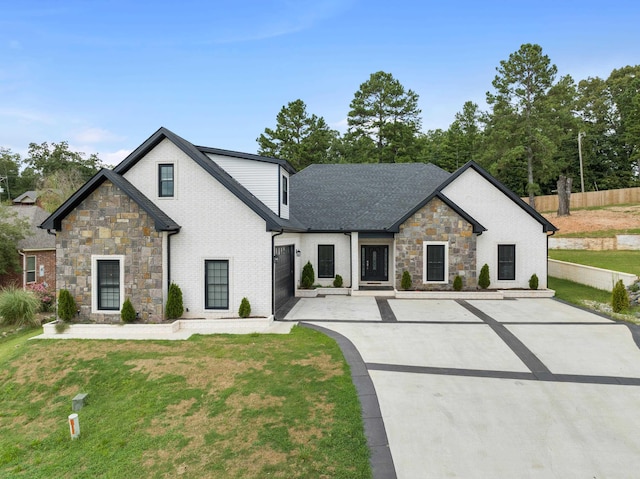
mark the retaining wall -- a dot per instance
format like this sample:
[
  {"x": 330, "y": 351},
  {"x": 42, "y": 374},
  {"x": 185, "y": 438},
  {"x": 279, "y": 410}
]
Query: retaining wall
[
  {"x": 620, "y": 242},
  {"x": 599, "y": 278}
]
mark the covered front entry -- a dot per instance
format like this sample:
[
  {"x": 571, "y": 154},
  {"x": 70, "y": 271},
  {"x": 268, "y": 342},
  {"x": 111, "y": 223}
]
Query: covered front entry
[
  {"x": 374, "y": 263},
  {"x": 284, "y": 276}
]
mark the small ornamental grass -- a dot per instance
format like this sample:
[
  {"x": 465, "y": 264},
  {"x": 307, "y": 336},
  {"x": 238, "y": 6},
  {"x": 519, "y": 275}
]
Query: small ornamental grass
[{"x": 18, "y": 307}]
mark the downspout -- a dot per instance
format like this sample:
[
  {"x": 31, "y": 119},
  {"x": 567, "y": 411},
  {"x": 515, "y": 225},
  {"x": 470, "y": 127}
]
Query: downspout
[
  {"x": 24, "y": 269},
  {"x": 169, "y": 235},
  {"x": 273, "y": 273},
  {"x": 350, "y": 259}
]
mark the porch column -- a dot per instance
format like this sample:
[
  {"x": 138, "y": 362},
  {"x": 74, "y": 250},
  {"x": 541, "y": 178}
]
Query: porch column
[{"x": 355, "y": 262}]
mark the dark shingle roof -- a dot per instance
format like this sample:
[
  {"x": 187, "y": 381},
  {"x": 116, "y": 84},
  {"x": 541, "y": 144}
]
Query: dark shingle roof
[
  {"x": 361, "y": 197},
  {"x": 37, "y": 239}
]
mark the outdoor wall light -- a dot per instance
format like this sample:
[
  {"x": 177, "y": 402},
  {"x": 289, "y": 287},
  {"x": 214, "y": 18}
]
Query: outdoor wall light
[
  {"x": 298, "y": 253},
  {"x": 275, "y": 258}
]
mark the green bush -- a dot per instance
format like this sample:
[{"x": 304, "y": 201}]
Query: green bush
[
  {"x": 406, "y": 281},
  {"x": 67, "y": 307},
  {"x": 174, "y": 307},
  {"x": 18, "y": 307},
  {"x": 245, "y": 308},
  {"x": 483, "y": 280},
  {"x": 127, "y": 313},
  {"x": 308, "y": 276},
  {"x": 533, "y": 281},
  {"x": 620, "y": 298},
  {"x": 337, "y": 282},
  {"x": 457, "y": 283}
]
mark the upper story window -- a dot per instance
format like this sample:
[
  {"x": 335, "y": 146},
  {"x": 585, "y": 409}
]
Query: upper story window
[
  {"x": 285, "y": 190},
  {"x": 166, "y": 180}
]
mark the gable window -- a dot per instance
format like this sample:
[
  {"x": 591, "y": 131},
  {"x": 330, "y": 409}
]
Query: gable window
[
  {"x": 216, "y": 280},
  {"x": 285, "y": 190},
  {"x": 506, "y": 262},
  {"x": 326, "y": 261},
  {"x": 31, "y": 269},
  {"x": 165, "y": 180},
  {"x": 107, "y": 283},
  {"x": 435, "y": 266}
]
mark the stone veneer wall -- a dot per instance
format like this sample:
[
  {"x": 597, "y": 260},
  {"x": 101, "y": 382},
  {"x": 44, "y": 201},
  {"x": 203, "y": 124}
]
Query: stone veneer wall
[
  {"x": 436, "y": 222},
  {"x": 105, "y": 223}
]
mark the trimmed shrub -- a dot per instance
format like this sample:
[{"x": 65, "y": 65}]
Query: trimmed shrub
[
  {"x": 406, "y": 281},
  {"x": 619, "y": 298},
  {"x": 174, "y": 307},
  {"x": 67, "y": 307},
  {"x": 457, "y": 283},
  {"x": 308, "y": 276},
  {"x": 245, "y": 308},
  {"x": 18, "y": 307},
  {"x": 127, "y": 313},
  {"x": 533, "y": 281},
  {"x": 337, "y": 283},
  {"x": 483, "y": 280}
]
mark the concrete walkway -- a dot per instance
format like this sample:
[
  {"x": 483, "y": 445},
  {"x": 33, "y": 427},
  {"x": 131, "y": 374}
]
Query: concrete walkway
[{"x": 527, "y": 388}]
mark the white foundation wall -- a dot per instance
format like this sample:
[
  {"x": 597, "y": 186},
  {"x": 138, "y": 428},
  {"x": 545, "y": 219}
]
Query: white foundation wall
[
  {"x": 506, "y": 223},
  {"x": 342, "y": 250},
  {"x": 216, "y": 225}
]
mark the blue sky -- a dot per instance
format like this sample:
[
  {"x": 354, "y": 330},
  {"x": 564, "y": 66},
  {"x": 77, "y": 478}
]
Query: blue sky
[{"x": 104, "y": 75}]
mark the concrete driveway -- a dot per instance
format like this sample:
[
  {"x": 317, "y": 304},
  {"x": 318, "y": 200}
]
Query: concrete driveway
[{"x": 527, "y": 388}]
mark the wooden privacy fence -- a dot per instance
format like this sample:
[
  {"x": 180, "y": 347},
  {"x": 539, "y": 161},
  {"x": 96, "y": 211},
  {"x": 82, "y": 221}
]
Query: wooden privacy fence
[{"x": 590, "y": 199}]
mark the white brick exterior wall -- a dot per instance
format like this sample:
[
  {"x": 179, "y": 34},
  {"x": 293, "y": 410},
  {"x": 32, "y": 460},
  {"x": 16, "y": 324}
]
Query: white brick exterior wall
[
  {"x": 506, "y": 223},
  {"x": 215, "y": 225}
]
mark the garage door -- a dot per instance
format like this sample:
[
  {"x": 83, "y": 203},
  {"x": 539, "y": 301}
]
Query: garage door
[{"x": 284, "y": 286}]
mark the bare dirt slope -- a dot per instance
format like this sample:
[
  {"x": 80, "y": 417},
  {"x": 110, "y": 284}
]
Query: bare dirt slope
[{"x": 610, "y": 218}]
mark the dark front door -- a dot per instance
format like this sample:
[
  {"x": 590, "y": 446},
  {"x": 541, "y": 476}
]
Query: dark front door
[
  {"x": 283, "y": 269},
  {"x": 374, "y": 263}
]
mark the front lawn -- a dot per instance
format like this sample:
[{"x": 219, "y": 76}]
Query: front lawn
[
  {"x": 223, "y": 406},
  {"x": 624, "y": 261}
]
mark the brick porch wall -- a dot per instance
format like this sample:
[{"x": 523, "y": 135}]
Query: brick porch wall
[
  {"x": 108, "y": 222},
  {"x": 436, "y": 222}
]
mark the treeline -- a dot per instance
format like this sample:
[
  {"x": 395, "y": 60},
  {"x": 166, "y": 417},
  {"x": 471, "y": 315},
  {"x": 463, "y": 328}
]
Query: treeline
[
  {"x": 53, "y": 170},
  {"x": 534, "y": 130}
]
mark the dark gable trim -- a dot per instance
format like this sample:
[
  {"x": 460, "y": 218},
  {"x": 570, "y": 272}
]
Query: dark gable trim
[
  {"x": 273, "y": 222},
  {"x": 477, "y": 227},
  {"x": 162, "y": 221},
  {"x": 546, "y": 225},
  {"x": 248, "y": 156}
]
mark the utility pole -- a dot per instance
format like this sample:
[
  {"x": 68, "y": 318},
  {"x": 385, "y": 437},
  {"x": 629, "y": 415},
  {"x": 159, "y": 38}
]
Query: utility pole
[{"x": 580, "y": 135}]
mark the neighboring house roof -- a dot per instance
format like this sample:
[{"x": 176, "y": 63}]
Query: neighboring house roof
[
  {"x": 547, "y": 226},
  {"x": 361, "y": 197},
  {"x": 38, "y": 239},
  {"x": 28, "y": 197},
  {"x": 197, "y": 154},
  {"x": 162, "y": 221}
]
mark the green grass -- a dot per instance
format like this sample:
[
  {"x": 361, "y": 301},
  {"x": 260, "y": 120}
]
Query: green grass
[
  {"x": 576, "y": 293},
  {"x": 624, "y": 261},
  {"x": 222, "y": 406}
]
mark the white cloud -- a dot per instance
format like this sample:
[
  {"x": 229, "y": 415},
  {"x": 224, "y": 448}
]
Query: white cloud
[
  {"x": 95, "y": 135},
  {"x": 341, "y": 125},
  {"x": 113, "y": 158},
  {"x": 25, "y": 115}
]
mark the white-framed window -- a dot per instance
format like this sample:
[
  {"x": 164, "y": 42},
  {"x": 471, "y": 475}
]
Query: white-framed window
[
  {"x": 30, "y": 270},
  {"x": 216, "y": 284},
  {"x": 435, "y": 266},
  {"x": 506, "y": 262},
  {"x": 107, "y": 283},
  {"x": 326, "y": 260}
]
